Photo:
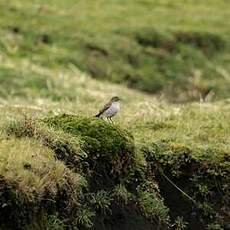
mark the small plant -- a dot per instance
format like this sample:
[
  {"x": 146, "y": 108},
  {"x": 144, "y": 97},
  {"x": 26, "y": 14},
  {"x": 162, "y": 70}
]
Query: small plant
[
  {"x": 214, "y": 226},
  {"x": 180, "y": 224},
  {"x": 20, "y": 128},
  {"x": 54, "y": 223},
  {"x": 85, "y": 217},
  {"x": 151, "y": 204},
  {"x": 121, "y": 193},
  {"x": 101, "y": 201}
]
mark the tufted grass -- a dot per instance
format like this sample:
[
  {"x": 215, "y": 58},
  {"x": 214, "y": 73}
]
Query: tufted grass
[
  {"x": 32, "y": 182},
  {"x": 34, "y": 169}
]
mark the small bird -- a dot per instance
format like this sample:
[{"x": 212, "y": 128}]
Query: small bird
[{"x": 110, "y": 109}]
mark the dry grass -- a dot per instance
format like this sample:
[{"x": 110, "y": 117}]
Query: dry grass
[{"x": 33, "y": 169}]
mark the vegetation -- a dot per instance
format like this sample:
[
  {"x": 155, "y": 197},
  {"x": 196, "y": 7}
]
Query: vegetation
[
  {"x": 160, "y": 47},
  {"x": 112, "y": 179},
  {"x": 107, "y": 163},
  {"x": 160, "y": 165}
]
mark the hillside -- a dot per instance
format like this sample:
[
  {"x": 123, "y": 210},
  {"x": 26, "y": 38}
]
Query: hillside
[
  {"x": 180, "y": 51},
  {"x": 160, "y": 165},
  {"x": 190, "y": 143}
]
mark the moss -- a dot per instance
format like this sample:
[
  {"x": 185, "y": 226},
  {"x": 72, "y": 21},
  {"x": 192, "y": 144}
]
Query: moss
[
  {"x": 101, "y": 201},
  {"x": 199, "y": 173},
  {"x": 110, "y": 150},
  {"x": 122, "y": 195},
  {"x": 161, "y": 153},
  {"x": 151, "y": 203},
  {"x": 89, "y": 146},
  {"x": 85, "y": 218},
  {"x": 53, "y": 222}
]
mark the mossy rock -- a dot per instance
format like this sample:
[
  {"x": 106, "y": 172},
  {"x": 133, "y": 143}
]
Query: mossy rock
[{"x": 110, "y": 150}]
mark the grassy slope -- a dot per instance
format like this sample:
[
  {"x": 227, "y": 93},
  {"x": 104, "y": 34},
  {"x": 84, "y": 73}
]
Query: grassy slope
[
  {"x": 48, "y": 82},
  {"x": 57, "y": 91},
  {"x": 201, "y": 127},
  {"x": 181, "y": 50}
]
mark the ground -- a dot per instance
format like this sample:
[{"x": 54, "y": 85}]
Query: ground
[{"x": 60, "y": 167}]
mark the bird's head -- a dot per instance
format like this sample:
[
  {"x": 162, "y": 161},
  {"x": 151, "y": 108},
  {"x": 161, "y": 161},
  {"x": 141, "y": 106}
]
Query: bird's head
[{"x": 114, "y": 99}]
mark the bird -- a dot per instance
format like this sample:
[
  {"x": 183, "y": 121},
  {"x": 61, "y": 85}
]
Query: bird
[{"x": 110, "y": 109}]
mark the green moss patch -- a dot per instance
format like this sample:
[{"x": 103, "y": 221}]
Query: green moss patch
[{"x": 110, "y": 150}]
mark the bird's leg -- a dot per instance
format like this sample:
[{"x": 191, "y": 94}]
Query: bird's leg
[
  {"x": 108, "y": 119},
  {"x": 111, "y": 120}
]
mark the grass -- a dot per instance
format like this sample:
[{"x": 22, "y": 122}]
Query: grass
[
  {"x": 32, "y": 182},
  {"x": 54, "y": 156},
  {"x": 166, "y": 136},
  {"x": 159, "y": 47},
  {"x": 200, "y": 127}
]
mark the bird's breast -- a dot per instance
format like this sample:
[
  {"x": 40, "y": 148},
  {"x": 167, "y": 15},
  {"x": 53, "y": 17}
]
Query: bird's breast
[
  {"x": 112, "y": 110},
  {"x": 115, "y": 105}
]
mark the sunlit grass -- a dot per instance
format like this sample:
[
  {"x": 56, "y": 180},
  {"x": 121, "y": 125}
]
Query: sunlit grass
[{"x": 32, "y": 169}]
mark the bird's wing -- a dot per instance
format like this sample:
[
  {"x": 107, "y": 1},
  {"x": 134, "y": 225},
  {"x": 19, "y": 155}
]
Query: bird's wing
[{"x": 103, "y": 109}]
